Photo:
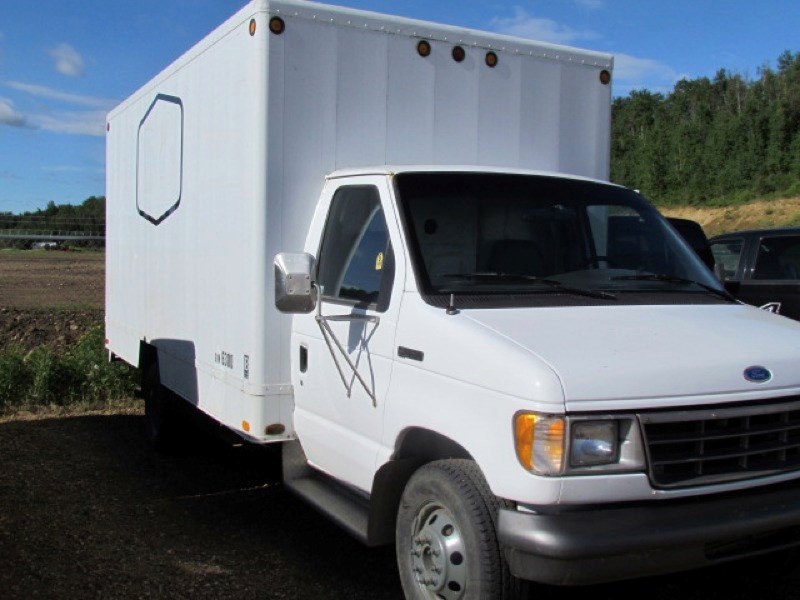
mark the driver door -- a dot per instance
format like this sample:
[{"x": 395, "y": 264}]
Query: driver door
[{"x": 343, "y": 353}]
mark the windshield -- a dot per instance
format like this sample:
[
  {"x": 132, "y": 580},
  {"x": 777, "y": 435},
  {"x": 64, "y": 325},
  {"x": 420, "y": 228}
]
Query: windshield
[{"x": 480, "y": 233}]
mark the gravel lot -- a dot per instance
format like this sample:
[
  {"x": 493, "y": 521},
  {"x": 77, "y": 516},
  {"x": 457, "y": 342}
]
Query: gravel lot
[{"x": 87, "y": 510}]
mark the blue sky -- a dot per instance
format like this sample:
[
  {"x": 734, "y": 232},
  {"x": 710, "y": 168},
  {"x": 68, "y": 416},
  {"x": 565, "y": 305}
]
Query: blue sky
[{"x": 65, "y": 63}]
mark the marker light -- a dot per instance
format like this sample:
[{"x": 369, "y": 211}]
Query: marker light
[
  {"x": 276, "y": 25},
  {"x": 605, "y": 77},
  {"x": 424, "y": 48},
  {"x": 252, "y": 26},
  {"x": 459, "y": 54},
  {"x": 539, "y": 441},
  {"x": 491, "y": 59}
]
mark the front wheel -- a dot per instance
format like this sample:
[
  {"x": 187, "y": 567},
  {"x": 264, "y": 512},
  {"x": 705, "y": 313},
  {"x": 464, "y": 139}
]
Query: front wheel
[{"x": 446, "y": 540}]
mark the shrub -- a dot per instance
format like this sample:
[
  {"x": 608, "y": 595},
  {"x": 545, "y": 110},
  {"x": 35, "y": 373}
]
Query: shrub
[
  {"x": 15, "y": 378},
  {"x": 54, "y": 381},
  {"x": 81, "y": 374},
  {"x": 99, "y": 379}
]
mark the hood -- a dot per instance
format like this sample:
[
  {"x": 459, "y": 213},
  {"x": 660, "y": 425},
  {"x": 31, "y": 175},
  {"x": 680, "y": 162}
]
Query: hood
[{"x": 662, "y": 353}]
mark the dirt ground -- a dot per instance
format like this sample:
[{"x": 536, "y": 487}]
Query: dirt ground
[
  {"x": 59, "y": 329},
  {"x": 49, "y": 297},
  {"x": 31, "y": 279},
  {"x": 88, "y": 510}
]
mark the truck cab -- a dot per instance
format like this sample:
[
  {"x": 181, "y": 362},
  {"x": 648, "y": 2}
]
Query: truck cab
[{"x": 543, "y": 340}]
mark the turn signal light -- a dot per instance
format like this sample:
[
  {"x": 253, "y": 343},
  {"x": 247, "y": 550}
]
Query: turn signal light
[{"x": 539, "y": 442}]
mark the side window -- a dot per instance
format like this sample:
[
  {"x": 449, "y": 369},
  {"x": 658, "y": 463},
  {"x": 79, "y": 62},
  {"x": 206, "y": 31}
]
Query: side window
[
  {"x": 728, "y": 253},
  {"x": 356, "y": 262},
  {"x": 778, "y": 258}
]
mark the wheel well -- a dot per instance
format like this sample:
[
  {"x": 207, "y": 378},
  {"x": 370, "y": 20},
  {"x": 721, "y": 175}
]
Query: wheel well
[
  {"x": 415, "y": 447},
  {"x": 428, "y": 445}
]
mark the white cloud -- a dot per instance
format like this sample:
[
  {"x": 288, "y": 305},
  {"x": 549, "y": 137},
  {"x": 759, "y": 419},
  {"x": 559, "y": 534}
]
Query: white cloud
[
  {"x": 10, "y": 116},
  {"x": 68, "y": 61},
  {"x": 53, "y": 94},
  {"x": 81, "y": 123},
  {"x": 633, "y": 73},
  {"x": 524, "y": 25}
]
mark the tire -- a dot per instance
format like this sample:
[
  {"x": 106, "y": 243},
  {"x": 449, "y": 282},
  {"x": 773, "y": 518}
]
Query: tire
[
  {"x": 446, "y": 539},
  {"x": 160, "y": 412}
]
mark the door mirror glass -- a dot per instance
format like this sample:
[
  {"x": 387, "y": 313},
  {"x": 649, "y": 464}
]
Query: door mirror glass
[{"x": 294, "y": 291}]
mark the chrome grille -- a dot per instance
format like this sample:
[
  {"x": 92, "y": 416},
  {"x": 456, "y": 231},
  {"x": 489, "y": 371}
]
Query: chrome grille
[{"x": 690, "y": 448}]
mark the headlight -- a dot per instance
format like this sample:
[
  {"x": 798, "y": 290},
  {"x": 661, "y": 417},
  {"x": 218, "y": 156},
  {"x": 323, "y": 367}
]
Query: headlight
[
  {"x": 594, "y": 443},
  {"x": 559, "y": 445}
]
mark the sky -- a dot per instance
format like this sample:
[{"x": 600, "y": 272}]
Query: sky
[{"x": 65, "y": 63}]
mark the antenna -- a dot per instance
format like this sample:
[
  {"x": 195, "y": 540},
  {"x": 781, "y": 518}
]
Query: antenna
[{"x": 451, "y": 308}]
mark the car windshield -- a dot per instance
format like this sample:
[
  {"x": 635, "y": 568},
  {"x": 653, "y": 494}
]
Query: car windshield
[{"x": 487, "y": 233}]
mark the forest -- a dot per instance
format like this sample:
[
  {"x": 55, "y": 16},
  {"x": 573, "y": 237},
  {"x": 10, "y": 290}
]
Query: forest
[
  {"x": 89, "y": 217},
  {"x": 711, "y": 142}
]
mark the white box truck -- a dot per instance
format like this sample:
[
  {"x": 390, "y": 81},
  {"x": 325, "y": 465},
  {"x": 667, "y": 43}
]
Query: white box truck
[{"x": 391, "y": 246}]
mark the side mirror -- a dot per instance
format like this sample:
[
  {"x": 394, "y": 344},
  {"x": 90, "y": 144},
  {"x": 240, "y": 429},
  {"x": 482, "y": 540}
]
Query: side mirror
[{"x": 294, "y": 290}]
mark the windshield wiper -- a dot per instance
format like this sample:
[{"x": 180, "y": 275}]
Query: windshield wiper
[
  {"x": 677, "y": 280},
  {"x": 495, "y": 276}
]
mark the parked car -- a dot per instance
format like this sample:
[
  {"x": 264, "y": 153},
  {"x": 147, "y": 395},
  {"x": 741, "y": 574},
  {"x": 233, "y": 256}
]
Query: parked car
[
  {"x": 762, "y": 267},
  {"x": 694, "y": 235}
]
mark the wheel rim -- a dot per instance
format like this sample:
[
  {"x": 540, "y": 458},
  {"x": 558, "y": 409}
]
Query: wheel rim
[{"x": 438, "y": 553}]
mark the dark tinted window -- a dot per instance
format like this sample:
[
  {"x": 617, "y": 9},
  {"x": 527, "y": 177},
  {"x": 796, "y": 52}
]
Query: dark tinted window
[
  {"x": 483, "y": 234},
  {"x": 355, "y": 260},
  {"x": 778, "y": 258},
  {"x": 728, "y": 253}
]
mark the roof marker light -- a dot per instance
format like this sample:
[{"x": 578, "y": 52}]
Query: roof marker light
[
  {"x": 424, "y": 48},
  {"x": 276, "y": 25}
]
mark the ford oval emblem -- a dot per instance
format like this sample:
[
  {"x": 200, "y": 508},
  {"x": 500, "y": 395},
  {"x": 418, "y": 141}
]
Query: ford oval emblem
[{"x": 757, "y": 374}]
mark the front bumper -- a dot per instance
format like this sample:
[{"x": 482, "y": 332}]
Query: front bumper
[{"x": 613, "y": 543}]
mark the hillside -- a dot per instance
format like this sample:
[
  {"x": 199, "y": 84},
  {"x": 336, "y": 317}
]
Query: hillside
[{"x": 756, "y": 214}]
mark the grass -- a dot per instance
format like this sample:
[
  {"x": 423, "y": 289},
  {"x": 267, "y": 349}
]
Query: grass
[{"x": 79, "y": 376}]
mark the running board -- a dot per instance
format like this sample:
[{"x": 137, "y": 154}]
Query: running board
[{"x": 343, "y": 506}]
